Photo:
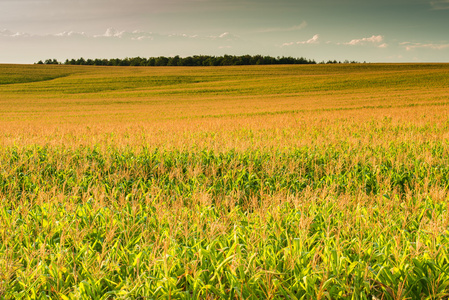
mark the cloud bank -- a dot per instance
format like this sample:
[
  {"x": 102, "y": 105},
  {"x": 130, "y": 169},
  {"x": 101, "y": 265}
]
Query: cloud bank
[
  {"x": 112, "y": 33},
  {"x": 411, "y": 46},
  {"x": 375, "y": 39},
  {"x": 313, "y": 40}
]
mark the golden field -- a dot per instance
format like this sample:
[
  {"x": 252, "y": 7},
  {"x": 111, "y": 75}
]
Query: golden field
[{"x": 276, "y": 182}]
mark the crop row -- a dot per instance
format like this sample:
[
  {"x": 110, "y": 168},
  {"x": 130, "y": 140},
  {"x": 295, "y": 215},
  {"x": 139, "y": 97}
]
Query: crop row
[{"x": 158, "y": 223}]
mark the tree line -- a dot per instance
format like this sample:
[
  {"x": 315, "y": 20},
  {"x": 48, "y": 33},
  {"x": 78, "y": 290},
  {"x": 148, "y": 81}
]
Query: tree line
[{"x": 196, "y": 60}]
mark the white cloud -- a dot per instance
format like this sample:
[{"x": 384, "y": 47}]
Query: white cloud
[
  {"x": 440, "y": 5},
  {"x": 411, "y": 46},
  {"x": 182, "y": 36},
  {"x": 224, "y": 36},
  {"x": 143, "y": 37},
  {"x": 313, "y": 40},
  {"x": 137, "y": 35},
  {"x": 375, "y": 39},
  {"x": 9, "y": 33},
  {"x": 384, "y": 45},
  {"x": 71, "y": 34},
  {"x": 112, "y": 32}
]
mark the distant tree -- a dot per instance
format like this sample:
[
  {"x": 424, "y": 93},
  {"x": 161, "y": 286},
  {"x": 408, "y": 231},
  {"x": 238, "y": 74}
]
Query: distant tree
[
  {"x": 137, "y": 61},
  {"x": 227, "y": 60},
  {"x": 196, "y": 60},
  {"x": 161, "y": 61},
  {"x": 51, "y": 62},
  {"x": 151, "y": 61},
  {"x": 173, "y": 61},
  {"x": 123, "y": 62},
  {"x": 98, "y": 62},
  {"x": 188, "y": 61},
  {"x": 114, "y": 62}
]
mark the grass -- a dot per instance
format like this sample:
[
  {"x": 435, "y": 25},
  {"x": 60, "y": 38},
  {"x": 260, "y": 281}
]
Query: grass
[{"x": 273, "y": 182}]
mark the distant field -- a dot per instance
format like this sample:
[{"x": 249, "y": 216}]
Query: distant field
[{"x": 256, "y": 182}]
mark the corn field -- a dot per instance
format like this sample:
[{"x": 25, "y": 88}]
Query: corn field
[{"x": 260, "y": 182}]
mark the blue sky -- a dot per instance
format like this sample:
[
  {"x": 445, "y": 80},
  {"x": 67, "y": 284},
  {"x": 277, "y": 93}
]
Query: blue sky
[{"x": 372, "y": 31}]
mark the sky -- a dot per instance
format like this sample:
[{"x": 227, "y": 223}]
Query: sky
[{"x": 360, "y": 30}]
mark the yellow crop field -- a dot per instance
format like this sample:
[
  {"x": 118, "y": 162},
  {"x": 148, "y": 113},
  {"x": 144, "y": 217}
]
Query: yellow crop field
[{"x": 245, "y": 182}]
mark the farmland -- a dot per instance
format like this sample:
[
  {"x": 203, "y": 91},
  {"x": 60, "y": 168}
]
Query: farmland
[{"x": 255, "y": 182}]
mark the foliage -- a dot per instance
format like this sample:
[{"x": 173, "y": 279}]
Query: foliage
[{"x": 196, "y": 60}]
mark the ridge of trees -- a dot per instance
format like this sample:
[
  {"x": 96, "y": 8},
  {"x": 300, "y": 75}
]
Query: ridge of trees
[{"x": 196, "y": 60}]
